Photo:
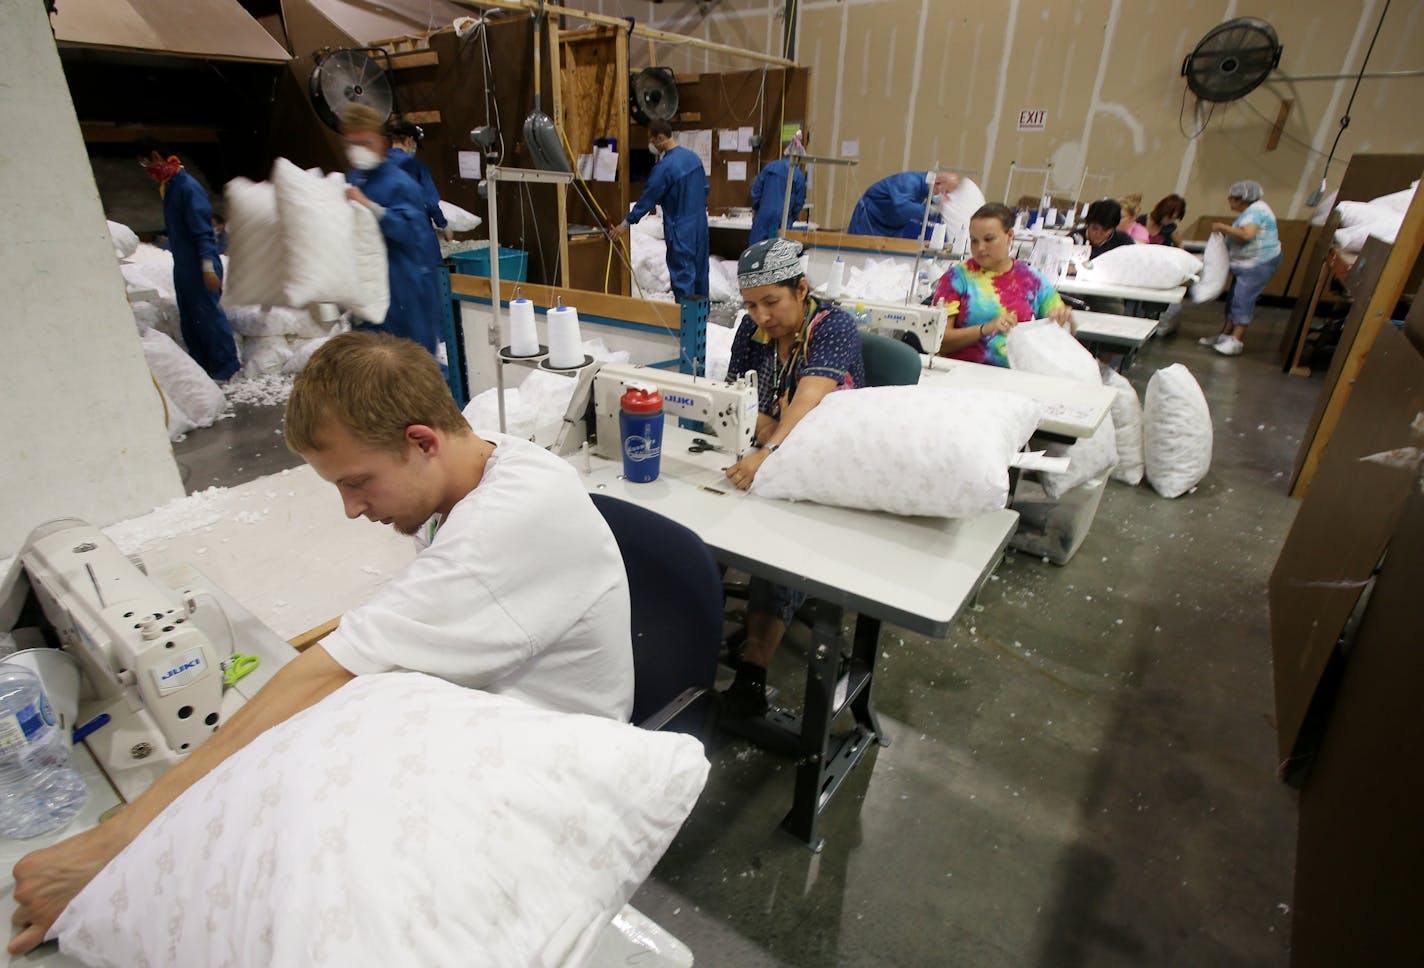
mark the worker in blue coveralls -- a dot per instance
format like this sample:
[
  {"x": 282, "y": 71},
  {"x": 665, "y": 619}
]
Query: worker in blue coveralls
[
  {"x": 769, "y": 194},
  {"x": 197, "y": 269},
  {"x": 405, "y": 141},
  {"x": 379, "y": 183},
  {"x": 680, "y": 186},
  {"x": 894, "y": 206}
]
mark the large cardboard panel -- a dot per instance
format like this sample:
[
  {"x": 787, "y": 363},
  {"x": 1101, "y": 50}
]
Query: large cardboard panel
[
  {"x": 216, "y": 29},
  {"x": 1343, "y": 526},
  {"x": 1358, "y": 892}
]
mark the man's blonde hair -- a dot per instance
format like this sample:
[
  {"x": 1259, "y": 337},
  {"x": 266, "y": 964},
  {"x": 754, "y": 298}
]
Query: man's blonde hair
[
  {"x": 375, "y": 386},
  {"x": 361, "y": 117}
]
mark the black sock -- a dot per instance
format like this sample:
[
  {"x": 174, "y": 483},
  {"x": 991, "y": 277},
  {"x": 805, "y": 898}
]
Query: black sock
[{"x": 751, "y": 674}]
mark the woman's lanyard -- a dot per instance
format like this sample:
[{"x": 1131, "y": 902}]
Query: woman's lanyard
[{"x": 781, "y": 374}]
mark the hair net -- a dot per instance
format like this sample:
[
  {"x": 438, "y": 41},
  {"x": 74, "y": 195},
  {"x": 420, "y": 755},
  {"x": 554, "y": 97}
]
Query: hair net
[{"x": 1248, "y": 191}]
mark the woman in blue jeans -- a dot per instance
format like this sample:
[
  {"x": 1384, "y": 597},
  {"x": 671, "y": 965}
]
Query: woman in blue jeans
[{"x": 1255, "y": 249}]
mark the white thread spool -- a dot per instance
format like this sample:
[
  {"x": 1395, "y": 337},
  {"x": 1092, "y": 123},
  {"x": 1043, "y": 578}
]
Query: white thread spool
[
  {"x": 833, "y": 288},
  {"x": 523, "y": 336},
  {"x": 937, "y": 236},
  {"x": 565, "y": 346}
]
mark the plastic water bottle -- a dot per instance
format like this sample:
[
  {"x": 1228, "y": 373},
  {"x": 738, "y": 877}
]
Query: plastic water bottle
[
  {"x": 39, "y": 790},
  {"x": 862, "y": 317},
  {"x": 640, "y": 424}
]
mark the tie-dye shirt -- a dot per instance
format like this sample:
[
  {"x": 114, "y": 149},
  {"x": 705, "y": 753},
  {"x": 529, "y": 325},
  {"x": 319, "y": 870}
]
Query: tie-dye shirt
[{"x": 975, "y": 296}]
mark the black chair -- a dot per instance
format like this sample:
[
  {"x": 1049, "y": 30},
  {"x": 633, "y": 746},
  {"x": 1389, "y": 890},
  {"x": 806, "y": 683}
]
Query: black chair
[{"x": 676, "y": 594}]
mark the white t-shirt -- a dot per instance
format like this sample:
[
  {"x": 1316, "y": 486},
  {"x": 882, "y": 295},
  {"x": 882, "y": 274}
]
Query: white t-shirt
[{"x": 522, "y": 593}]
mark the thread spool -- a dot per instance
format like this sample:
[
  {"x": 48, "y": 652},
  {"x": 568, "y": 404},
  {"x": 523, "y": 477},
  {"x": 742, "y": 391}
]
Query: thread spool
[
  {"x": 523, "y": 336},
  {"x": 938, "y": 235},
  {"x": 565, "y": 345},
  {"x": 833, "y": 288}
]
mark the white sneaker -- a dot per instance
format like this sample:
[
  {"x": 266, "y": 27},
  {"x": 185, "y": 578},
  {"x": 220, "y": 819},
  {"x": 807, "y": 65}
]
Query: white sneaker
[
  {"x": 1230, "y": 346},
  {"x": 1211, "y": 340}
]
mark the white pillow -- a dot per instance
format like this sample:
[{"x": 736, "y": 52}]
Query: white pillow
[
  {"x": 459, "y": 220},
  {"x": 401, "y": 821},
  {"x": 907, "y": 450},
  {"x": 1176, "y": 431},
  {"x": 960, "y": 206},
  {"x": 1397, "y": 201},
  {"x": 184, "y": 383},
  {"x": 371, "y": 297},
  {"x": 316, "y": 236},
  {"x": 1363, "y": 213},
  {"x": 256, "y": 264},
  {"x": 1043, "y": 347},
  {"x": 124, "y": 238},
  {"x": 1216, "y": 269},
  {"x": 719, "y": 349},
  {"x": 264, "y": 355},
  {"x": 1145, "y": 266},
  {"x": 1127, "y": 425}
]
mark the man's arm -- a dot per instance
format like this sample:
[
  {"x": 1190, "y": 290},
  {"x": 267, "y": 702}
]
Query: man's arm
[{"x": 47, "y": 880}]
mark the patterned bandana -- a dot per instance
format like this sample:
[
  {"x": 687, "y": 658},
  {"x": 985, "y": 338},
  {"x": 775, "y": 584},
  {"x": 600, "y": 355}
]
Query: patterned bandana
[
  {"x": 768, "y": 263},
  {"x": 160, "y": 173}
]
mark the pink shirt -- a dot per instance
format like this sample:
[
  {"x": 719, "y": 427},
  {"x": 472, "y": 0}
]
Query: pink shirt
[{"x": 1138, "y": 232}]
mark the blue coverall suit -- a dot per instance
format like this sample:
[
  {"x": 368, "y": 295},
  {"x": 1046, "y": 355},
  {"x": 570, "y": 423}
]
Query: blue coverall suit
[
  {"x": 420, "y": 174},
  {"x": 415, "y": 294},
  {"x": 892, "y": 207},
  {"x": 768, "y": 195},
  {"x": 680, "y": 186},
  {"x": 188, "y": 218}
]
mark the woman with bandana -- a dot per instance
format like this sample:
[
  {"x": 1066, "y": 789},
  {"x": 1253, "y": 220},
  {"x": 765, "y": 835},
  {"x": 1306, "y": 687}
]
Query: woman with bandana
[
  {"x": 801, "y": 351},
  {"x": 197, "y": 268}
]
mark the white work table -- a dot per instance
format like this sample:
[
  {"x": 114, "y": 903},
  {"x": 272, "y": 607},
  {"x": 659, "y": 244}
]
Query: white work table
[
  {"x": 745, "y": 222},
  {"x": 1069, "y": 408},
  {"x": 1082, "y": 287},
  {"x": 1121, "y": 335},
  {"x": 915, "y": 572}
]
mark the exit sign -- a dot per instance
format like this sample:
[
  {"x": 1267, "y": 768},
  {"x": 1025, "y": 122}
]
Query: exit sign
[{"x": 1033, "y": 119}]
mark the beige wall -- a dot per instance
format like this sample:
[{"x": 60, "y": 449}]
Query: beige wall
[
  {"x": 915, "y": 81},
  {"x": 81, "y": 422}
]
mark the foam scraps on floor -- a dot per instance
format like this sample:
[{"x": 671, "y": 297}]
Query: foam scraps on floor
[{"x": 269, "y": 390}]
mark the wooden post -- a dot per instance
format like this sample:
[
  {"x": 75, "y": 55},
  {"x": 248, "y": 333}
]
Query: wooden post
[
  {"x": 556, "y": 86},
  {"x": 1282, "y": 113},
  {"x": 625, "y": 149},
  {"x": 1382, "y": 300}
]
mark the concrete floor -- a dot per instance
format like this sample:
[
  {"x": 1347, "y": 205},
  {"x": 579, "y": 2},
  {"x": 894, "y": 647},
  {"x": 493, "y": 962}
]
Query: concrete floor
[{"x": 1082, "y": 774}]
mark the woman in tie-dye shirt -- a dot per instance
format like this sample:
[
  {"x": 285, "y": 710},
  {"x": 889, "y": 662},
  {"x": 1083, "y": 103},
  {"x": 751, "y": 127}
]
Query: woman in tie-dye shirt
[{"x": 992, "y": 292}]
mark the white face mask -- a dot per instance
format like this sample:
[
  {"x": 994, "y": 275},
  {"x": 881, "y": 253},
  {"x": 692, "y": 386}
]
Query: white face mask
[{"x": 362, "y": 158}]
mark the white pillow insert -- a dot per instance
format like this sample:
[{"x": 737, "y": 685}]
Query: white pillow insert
[
  {"x": 401, "y": 821},
  {"x": 907, "y": 450},
  {"x": 1176, "y": 431}
]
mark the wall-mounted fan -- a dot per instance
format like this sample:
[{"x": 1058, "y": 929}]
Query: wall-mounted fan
[
  {"x": 351, "y": 76},
  {"x": 1232, "y": 60},
  {"x": 652, "y": 95}
]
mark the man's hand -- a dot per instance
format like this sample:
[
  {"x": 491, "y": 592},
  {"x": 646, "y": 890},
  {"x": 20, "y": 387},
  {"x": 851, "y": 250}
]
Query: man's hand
[
  {"x": 618, "y": 231},
  {"x": 47, "y": 880},
  {"x": 354, "y": 194},
  {"x": 743, "y": 471},
  {"x": 211, "y": 280}
]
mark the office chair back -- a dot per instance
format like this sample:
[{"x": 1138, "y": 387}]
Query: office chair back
[
  {"x": 888, "y": 362},
  {"x": 676, "y": 593}
]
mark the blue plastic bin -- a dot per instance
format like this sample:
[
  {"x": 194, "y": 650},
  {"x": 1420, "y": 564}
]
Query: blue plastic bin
[{"x": 513, "y": 263}]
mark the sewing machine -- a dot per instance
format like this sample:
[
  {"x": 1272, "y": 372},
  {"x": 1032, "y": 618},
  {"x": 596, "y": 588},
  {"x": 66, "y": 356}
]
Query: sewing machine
[
  {"x": 925, "y": 323},
  {"x": 146, "y": 648},
  {"x": 727, "y": 411}
]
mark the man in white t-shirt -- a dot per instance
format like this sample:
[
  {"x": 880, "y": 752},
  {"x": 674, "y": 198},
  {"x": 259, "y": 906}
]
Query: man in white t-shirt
[{"x": 519, "y": 588}]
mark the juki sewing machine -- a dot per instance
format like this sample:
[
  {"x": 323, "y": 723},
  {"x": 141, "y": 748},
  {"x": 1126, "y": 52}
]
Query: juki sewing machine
[
  {"x": 727, "y": 411},
  {"x": 925, "y": 323},
  {"x": 145, "y": 648}
]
